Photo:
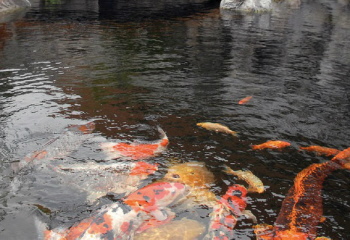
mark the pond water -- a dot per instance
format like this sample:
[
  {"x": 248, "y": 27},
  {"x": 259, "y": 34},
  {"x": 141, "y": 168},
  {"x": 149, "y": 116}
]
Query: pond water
[{"x": 132, "y": 67}]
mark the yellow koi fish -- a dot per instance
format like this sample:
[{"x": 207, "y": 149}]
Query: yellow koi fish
[{"x": 217, "y": 127}]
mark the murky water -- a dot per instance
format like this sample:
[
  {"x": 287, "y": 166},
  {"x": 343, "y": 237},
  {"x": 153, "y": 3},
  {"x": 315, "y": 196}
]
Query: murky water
[{"x": 131, "y": 68}]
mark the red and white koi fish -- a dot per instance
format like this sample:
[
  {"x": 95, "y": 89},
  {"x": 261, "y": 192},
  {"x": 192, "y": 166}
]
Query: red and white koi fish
[
  {"x": 59, "y": 147},
  {"x": 135, "y": 151},
  {"x": 223, "y": 219},
  {"x": 272, "y": 144},
  {"x": 321, "y": 150},
  {"x": 121, "y": 219},
  {"x": 245, "y": 100},
  {"x": 119, "y": 178}
]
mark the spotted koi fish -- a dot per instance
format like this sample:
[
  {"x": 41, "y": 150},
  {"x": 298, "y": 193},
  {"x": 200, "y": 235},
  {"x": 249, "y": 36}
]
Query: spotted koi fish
[
  {"x": 223, "y": 219},
  {"x": 321, "y": 150},
  {"x": 121, "y": 219},
  {"x": 302, "y": 209},
  {"x": 59, "y": 147},
  {"x": 135, "y": 151},
  {"x": 271, "y": 144},
  {"x": 119, "y": 178}
]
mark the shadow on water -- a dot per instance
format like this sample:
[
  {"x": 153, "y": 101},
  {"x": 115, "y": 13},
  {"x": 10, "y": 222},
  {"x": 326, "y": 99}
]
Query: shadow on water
[{"x": 129, "y": 66}]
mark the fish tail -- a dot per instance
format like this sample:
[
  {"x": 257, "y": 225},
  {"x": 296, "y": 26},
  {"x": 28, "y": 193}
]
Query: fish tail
[
  {"x": 162, "y": 133},
  {"x": 235, "y": 134}
]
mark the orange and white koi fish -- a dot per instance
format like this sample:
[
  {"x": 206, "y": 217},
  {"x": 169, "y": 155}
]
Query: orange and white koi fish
[
  {"x": 121, "y": 219},
  {"x": 59, "y": 147},
  {"x": 135, "y": 151},
  {"x": 271, "y": 144},
  {"x": 223, "y": 219},
  {"x": 321, "y": 150},
  {"x": 255, "y": 184},
  {"x": 245, "y": 100},
  {"x": 119, "y": 178},
  {"x": 217, "y": 127}
]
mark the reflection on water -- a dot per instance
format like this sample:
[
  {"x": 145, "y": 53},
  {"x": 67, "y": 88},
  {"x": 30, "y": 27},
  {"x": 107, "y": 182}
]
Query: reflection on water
[{"x": 85, "y": 63}]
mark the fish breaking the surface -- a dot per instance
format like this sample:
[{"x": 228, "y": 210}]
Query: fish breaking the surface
[
  {"x": 117, "y": 178},
  {"x": 135, "y": 151}
]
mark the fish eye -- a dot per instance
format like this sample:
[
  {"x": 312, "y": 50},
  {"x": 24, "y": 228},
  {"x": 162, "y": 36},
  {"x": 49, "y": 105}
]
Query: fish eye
[{"x": 175, "y": 176}]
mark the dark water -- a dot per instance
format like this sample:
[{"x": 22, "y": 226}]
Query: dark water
[{"x": 131, "y": 67}]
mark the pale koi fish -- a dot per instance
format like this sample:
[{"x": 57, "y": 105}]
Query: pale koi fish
[
  {"x": 217, "y": 127},
  {"x": 321, "y": 150},
  {"x": 121, "y": 219},
  {"x": 245, "y": 100},
  {"x": 255, "y": 184},
  {"x": 271, "y": 144},
  {"x": 59, "y": 147},
  {"x": 119, "y": 178},
  {"x": 135, "y": 151}
]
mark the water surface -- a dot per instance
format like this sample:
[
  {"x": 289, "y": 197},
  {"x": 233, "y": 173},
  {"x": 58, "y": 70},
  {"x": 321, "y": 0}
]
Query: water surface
[{"x": 132, "y": 68}]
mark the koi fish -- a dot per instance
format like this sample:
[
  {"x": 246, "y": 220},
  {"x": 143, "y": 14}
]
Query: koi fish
[
  {"x": 271, "y": 144},
  {"x": 343, "y": 158},
  {"x": 135, "y": 151},
  {"x": 321, "y": 150},
  {"x": 302, "y": 209},
  {"x": 59, "y": 147},
  {"x": 255, "y": 184},
  {"x": 121, "y": 219},
  {"x": 223, "y": 219},
  {"x": 245, "y": 100},
  {"x": 119, "y": 178},
  {"x": 217, "y": 127}
]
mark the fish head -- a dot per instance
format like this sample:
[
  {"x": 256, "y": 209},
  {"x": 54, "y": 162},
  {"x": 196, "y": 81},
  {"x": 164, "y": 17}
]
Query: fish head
[
  {"x": 235, "y": 198},
  {"x": 193, "y": 174},
  {"x": 156, "y": 195},
  {"x": 143, "y": 168}
]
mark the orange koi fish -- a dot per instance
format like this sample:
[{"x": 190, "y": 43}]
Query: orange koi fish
[
  {"x": 271, "y": 144},
  {"x": 343, "y": 158},
  {"x": 321, "y": 150},
  {"x": 302, "y": 209},
  {"x": 135, "y": 151},
  {"x": 119, "y": 178},
  {"x": 59, "y": 147},
  {"x": 121, "y": 219},
  {"x": 245, "y": 100}
]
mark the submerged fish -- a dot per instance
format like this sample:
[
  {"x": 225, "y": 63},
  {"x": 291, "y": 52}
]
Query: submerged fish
[
  {"x": 217, "y": 127},
  {"x": 135, "y": 151},
  {"x": 121, "y": 219},
  {"x": 184, "y": 229},
  {"x": 245, "y": 100},
  {"x": 118, "y": 178},
  {"x": 255, "y": 184},
  {"x": 59, "y": 147},
  {"x": 321, "y": 150},
  {"x": 271, "y": 144}
]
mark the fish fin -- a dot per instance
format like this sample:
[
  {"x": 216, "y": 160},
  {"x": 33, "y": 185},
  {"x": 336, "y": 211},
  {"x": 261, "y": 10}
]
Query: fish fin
[
  {"x": 41, "y": 227},
  {"x": 250, "y": 215},
  {"x": 159, "y": 215},
  {"x": 235, "y": 134}
]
